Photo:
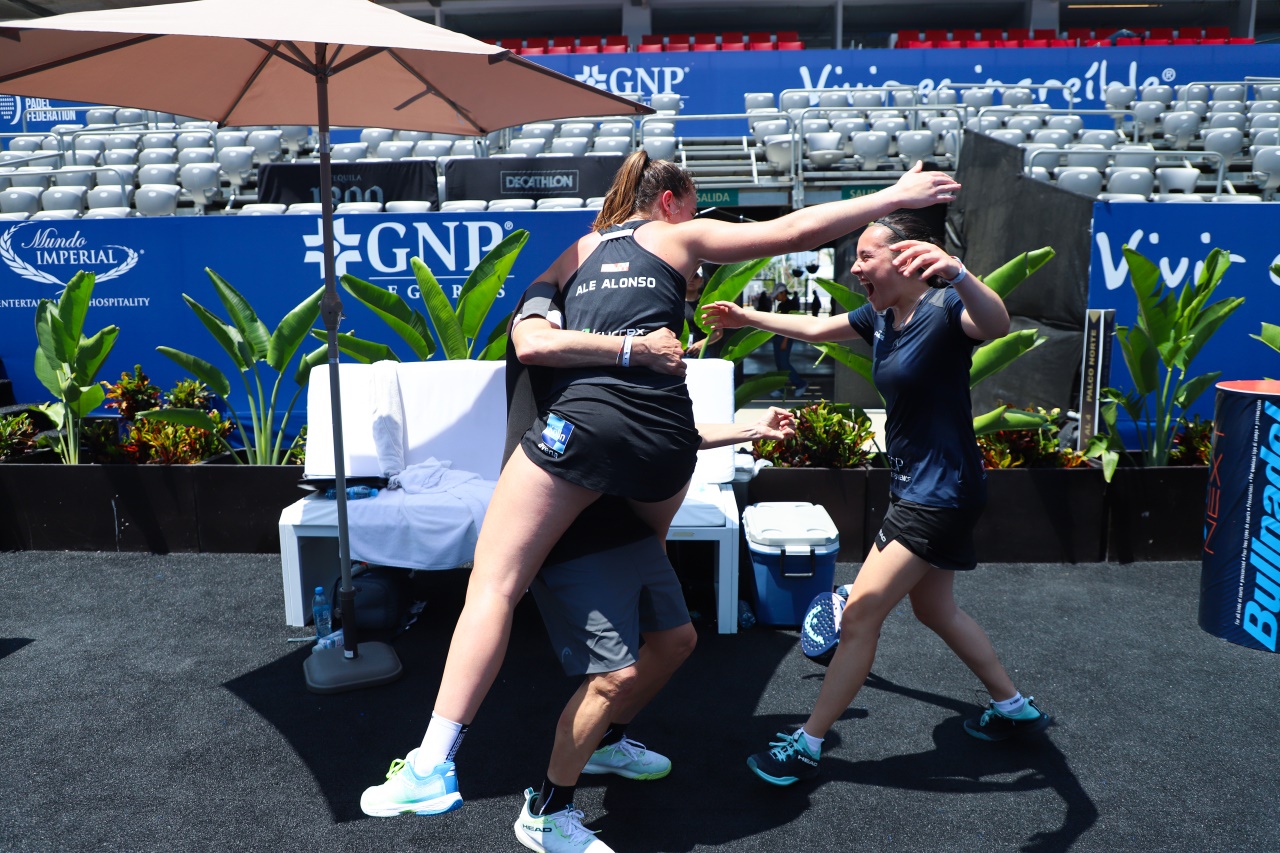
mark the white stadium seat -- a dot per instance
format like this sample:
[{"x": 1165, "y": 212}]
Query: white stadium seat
[{"x": 157, "y": 199}]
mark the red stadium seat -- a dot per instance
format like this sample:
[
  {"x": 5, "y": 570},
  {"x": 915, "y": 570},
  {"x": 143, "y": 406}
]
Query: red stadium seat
[
  {"x": 1128, "y": 42},
  {"x": 536, "y": 41},
  {"x": 733, "y": 45},
  {"x": 587, "y": 48},
  {"x": 977, "y": 43},
  {"x": 731, "y": 37},
  {"x": 533, "y": 51},
  {"x": 615, "y": 40},
  {"x": 967, "y": 36},
  {"x": 557, "y": 49},
  {"x": 1217, "y": 32},
  {"x": 1160, "y": 33},
  {"x": 649, "y": 48},
  {"x": 1213, "y": 41},
  {"x": 703, "y": 46},
  {"x": 760, "y": 45},
  {"x": 652, "y": 38},
  {"x": 1035, "y": 42},
  {"x": 759, "y": 38},
  {"x": 936, "y": 35},
  {"x": 907, "y": 36},
  {"x": 1082, "y": 35},
  {"x": 614, "y": 48},
  {"x": 704, "y": 38},
  {"x": 948, "y": 43},
  {"x": 1240, "y": 40},
  {"x": 1043, "y": 34},
  {"x": 1188, "y": 42},
  {"x": 790, "y": 45},
  {"x": 1017, "y": 34},
  {"x": 678, "y": 47},
  {"x": 1005, "y": 43},
  {"x": 678, "y": 39},
  {"x": 1062, "y": 42},
  {"x": 916, "y": 44},
  {"x": 788, "y": 35}
]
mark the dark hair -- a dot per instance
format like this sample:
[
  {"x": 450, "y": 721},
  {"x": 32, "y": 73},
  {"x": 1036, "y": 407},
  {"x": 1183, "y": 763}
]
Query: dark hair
[
  {"x": 639, "y": 184},
  {"x": 910, "y": 225}
]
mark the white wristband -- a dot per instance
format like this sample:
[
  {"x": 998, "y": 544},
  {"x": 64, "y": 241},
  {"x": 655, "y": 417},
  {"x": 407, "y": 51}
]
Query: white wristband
[
  {"x": 959, "y": 276},
  {"x": 626, "y": 352}
]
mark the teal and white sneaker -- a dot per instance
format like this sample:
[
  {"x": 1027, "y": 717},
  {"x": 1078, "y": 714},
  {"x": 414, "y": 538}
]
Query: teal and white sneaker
[
  {"x": 787, "y": 762},
  {"x": 561, "y": 832},
  {"x": 629, "y": 759},
  {"x": 405, "y": 792},
  {"x": 995, "y": 726}
]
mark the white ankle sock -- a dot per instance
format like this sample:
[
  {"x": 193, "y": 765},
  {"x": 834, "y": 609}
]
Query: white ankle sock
[
  {"x": 1011, "y": 706},
  {"x": 439, "y": 744},
  {"x": 814, "y": 743}
]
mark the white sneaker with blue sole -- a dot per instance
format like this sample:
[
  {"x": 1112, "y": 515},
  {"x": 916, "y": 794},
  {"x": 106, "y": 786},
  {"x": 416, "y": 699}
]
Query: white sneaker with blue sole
[
  {"x": 405, "y": 792},
  {"x": 629, "y": 759}
]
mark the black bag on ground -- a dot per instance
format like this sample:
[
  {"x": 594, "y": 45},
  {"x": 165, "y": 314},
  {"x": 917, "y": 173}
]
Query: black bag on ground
[{"x": 382, "y": 598}]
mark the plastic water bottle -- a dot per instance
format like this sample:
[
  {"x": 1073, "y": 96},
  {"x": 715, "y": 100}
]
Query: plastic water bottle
[
  {"x": 353, "y": 492},
  {"x": 323, "y": 613},
  {"x": 746, "y": 616}
]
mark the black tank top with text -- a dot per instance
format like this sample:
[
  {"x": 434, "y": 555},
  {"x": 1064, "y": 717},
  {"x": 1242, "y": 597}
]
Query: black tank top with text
[{"x": 623, "y": 289}]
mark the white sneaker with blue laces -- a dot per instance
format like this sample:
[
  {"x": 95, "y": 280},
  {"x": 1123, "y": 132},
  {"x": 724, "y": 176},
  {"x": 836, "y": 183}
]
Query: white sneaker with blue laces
[
  {"x": 405, "y": 792},
  {"x": 629, "y": 759},
  {"x": 559, "y": 832}
]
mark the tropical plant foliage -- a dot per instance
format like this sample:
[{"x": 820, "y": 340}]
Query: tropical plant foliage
[
  {"x": 250, "y": 346},
  {"x": 67, "y": 361},
  {"x": 451, "y": 330},
  {"x": 1034, "y": 447},
  {"x": 828, "y": 435},
  {"x": 1158, "y": 349}
]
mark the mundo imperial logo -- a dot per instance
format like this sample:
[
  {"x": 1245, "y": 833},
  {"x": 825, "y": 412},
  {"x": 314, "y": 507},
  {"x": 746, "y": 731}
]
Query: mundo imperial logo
[{"x": 29, "y": 252}]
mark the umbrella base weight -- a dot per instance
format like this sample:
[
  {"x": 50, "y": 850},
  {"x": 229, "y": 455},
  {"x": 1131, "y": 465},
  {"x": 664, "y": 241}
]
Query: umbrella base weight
[{"x": 328, "y": 671}]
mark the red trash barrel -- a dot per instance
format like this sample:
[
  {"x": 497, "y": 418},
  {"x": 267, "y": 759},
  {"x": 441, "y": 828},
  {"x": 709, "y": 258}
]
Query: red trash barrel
[{"x": 1240, "y": 565}]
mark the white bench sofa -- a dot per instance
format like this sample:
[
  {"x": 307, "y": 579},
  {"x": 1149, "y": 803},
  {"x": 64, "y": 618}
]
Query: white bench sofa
[{"x": 455, "y": 412}]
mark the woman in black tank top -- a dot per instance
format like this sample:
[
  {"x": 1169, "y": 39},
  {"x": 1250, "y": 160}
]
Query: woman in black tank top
[{"x": 619, "y": 420}]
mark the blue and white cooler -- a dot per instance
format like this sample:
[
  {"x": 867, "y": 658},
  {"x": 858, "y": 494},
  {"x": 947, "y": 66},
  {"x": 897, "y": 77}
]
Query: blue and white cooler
[
  {"x": 793, "y": 554},
  {"x": 1240, "y": 568}
]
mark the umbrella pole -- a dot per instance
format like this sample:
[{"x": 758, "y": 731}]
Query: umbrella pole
[{"x": 355, "y": 666}]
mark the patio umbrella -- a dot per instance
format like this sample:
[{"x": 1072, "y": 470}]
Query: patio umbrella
[{"x": 304, "y": 62}]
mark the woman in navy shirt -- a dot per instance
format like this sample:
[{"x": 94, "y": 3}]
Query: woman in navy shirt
[{"x": 924, "y": 317}]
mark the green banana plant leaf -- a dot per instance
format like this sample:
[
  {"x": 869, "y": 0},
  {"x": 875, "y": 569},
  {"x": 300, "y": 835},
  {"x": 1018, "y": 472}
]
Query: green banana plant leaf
[
  {"x": 1188, "y": 392},
  {"x": 1007, "y": 277},
  {"x": 227, "y": 336},
  {"x": 54, "y": 346},
  {"x": 1206, "y": 324},
  {"x": 365, "y": 352},
  {"x": 1270, "y": 332},
  {"x": 406, "y": 322},
  {"x": 743, "y": 342},
  {"x": 759, "y": 386},
  {"x": 47, "y": 374},
  {"x": 486, "y": 280},
  {"x": 252, "y": 330},
  {"x": 495, "y": 349},
  {"x": 440, "y": 312},
  {"x": 730, "y": 280},
  {"x": 996, "y": 355},
  {"x": 84, "y": 399},
  {"x": 849, "y": 299},
  {"x": 73, "y": 305},
  {"x": 857, "y": 362},
  {"x": 288, "y": 336},
  {"x": 200, "y": 369},
  {"x": 1140, "y": 356},
  {"x": 1002, "y": 420},
  {"x": 308, "y": 363},
  {"x": 1156, "y": 306},
  {"x": 92, "y": 353}
]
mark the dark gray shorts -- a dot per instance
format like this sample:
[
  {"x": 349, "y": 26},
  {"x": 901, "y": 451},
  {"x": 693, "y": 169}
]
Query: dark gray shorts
[{"x": 595, "y": 607}]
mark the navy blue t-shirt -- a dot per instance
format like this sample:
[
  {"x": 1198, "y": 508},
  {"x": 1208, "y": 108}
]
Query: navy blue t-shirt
[{"x": 922, "y": 371}]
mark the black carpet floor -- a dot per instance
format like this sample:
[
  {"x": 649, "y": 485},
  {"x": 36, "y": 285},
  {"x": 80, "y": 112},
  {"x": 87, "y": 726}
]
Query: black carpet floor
[{"x": 154, "y": 703}]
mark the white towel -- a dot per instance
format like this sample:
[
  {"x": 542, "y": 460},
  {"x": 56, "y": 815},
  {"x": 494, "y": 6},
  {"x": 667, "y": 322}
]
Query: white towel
[{"x": 388, "y": 418}]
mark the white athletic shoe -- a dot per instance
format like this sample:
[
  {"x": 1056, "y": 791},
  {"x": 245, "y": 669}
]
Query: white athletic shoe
[
  {"x": 628, "y": 758},
  {"x": 561, "y": 832},
  {"x": 405, "y": 792}
]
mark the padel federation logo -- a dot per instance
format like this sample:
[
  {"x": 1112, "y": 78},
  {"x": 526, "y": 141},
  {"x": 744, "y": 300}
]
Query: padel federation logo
[{"x": 30, "y": 253}]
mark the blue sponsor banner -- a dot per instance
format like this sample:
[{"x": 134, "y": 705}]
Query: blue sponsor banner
[
  {"x": 1177, "y": 237},
  {"x": 714, "y": 82},
  {"x": 144, "y": 266}
]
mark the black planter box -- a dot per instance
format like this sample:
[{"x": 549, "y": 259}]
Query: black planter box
[
  {"x": 156, "y": 508},
  {"x": 1156, "y": 513},
  {"x": 1043, "y": 515},
  {"x": 842, "y": 492}
]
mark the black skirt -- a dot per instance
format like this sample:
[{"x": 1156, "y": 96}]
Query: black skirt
[{"x": 626, "y": 440}]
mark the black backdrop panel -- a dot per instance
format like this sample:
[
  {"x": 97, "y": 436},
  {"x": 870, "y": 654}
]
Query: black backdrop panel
[
  {"x": 393, "y": 180},
  {"x": 529, "y": 177}
]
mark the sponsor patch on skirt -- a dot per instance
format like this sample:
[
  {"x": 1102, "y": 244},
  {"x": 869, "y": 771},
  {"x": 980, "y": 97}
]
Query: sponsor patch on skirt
[{"x": 555, "y": 436}]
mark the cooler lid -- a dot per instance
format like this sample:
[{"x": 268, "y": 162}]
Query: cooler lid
[{"x": 781, "y": 524}]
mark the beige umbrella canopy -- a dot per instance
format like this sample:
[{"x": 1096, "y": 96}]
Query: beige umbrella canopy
[
  {"x": 253, "y": 62},
  {"x": 306, "y": 62}
]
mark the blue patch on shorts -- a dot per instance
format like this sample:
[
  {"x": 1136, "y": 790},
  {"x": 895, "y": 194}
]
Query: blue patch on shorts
[{"x": 556, "y": 434}]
